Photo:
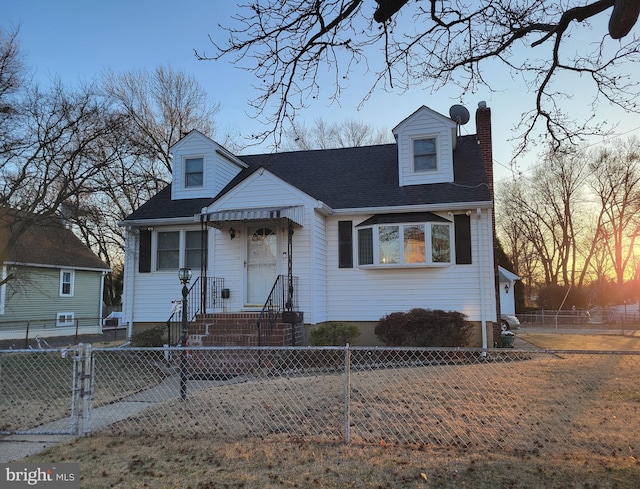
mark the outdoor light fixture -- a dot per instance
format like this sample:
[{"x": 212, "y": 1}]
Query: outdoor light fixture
[
  {"x": 232, "y": 233},
  {"x": 506, "y": 287},
  {"x": 184, "y": 275}
]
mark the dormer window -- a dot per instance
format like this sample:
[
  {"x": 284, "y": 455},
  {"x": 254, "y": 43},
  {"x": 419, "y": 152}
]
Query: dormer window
[
  {"x": 193, "y": 172},
  {"x": 425, "y": 155}
]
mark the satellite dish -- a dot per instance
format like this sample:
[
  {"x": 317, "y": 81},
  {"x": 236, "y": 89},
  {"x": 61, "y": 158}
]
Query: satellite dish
[{"x": 460, "y": 114}]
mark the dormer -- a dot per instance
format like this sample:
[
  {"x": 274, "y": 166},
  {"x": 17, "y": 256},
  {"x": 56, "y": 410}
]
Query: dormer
[
  {"x": 426, "y": 141},
  {"x": 201, "y": 167}
]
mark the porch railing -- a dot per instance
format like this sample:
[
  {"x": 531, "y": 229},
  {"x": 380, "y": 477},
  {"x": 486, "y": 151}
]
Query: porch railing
[
  {"x": 205, "y": 295},
  {"x": 283, "y": 297}
]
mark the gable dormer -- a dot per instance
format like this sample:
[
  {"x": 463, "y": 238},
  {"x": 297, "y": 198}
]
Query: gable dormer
[
  {"x": 426, "y": 140},
  {"x": 201, "y": 167}
]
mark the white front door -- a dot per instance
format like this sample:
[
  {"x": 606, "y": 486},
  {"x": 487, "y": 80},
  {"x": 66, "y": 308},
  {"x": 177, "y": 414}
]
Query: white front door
[{"x": 262, "y": 261}]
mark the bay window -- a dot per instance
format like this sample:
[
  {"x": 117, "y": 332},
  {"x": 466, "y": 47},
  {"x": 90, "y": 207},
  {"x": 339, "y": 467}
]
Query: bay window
[{"x": 405, "y": 244}]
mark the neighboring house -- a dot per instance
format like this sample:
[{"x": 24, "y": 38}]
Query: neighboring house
[
  {"x": 54, "y": 282},
  {"x": 353, "y": 234},
  {"x": 507, "y": 291}
]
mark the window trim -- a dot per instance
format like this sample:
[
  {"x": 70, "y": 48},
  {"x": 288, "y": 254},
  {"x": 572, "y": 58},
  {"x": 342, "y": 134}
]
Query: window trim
[
  {"x": 185, "y": 159},
  {"x": 374, "y": 229},
  {"x": 182, "y": 247},
  {"x": 436, "y": 143},
  {"x": 72, "y": 279},
  {"x": 69, "y": 319}
]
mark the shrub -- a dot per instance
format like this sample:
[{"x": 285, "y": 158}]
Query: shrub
[
  {"x": 334, "y": 334},
  {"x": 149, "y": 337},
  {"x": 424, "y": 328}
]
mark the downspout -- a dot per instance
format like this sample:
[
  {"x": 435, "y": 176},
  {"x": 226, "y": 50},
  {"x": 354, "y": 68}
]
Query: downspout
[
  {"x": 104, "y": 274},
  {"x": 483, "y": 317}
]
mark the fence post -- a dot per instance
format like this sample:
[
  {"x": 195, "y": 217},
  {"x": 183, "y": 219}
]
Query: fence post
[
  {"x": 347, "y": 393},
  {"x": 87, "y": 393},
  {"x": 75, "y": 390}
]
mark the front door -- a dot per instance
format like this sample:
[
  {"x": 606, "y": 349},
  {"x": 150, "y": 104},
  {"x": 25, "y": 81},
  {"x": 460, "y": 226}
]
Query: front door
[{"x": 262, "y": 261}]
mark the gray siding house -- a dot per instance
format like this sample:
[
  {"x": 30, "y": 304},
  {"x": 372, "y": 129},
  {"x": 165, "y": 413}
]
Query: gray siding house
[{"x": 53, "y": 282}]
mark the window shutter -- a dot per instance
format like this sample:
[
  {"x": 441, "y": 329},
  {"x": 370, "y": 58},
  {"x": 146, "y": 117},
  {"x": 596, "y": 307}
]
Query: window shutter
[
  {"x": 463, "y": 239},
  {"x": 345, "y": 244},
  {"x": 144, "y": 258}
]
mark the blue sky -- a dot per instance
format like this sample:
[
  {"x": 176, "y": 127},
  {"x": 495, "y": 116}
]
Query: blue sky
[{"x": 76, "y": 41}]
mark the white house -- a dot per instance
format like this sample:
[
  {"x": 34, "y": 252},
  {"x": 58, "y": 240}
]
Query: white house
[{"x": 346, "y": 235}]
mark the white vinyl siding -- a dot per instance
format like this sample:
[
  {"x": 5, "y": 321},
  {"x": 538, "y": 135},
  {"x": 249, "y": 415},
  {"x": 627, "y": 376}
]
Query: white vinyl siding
[
  {"x": 425, "y": 125},
  {"x": 217, "y": 171},
  {"x": 367, "y": 294}
]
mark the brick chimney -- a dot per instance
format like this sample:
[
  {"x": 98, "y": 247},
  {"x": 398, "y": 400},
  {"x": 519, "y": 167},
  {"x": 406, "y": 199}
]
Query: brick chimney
[{"x": 483, "y": 135}]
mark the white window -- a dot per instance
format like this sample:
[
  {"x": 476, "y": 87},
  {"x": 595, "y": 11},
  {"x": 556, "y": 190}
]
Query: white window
[
  {"x": 66, "y": 283},
  {"x": 411, "y": 244},
  {"x": 64, "y": 319},
  {"x": 425, "y": 154},
  {"x": 175, "y": 249},
  {"x": 193, "y": 172},
  {"x": 168, "y": 250}
]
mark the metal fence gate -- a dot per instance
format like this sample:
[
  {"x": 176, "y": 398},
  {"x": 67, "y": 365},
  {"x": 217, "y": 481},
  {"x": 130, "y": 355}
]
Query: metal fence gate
[{"x": 521, "y": 401}]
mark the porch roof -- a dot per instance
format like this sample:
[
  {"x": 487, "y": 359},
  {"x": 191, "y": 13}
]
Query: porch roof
[{"x": 293, "y": 213}]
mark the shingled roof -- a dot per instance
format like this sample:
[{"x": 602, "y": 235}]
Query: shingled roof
[
  {"x": 345, "y": 178},
  {"x": 44, "y": 241}
]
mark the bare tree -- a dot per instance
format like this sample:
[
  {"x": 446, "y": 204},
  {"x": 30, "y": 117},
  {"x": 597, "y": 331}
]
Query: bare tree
[
  {"x": 545, "y": 209},
  {"x": 434, "y": 44},
  {"x": 615, "y": 179},
  {"x": 323, "y": 135},
  {"x": 160, "y": 107}
]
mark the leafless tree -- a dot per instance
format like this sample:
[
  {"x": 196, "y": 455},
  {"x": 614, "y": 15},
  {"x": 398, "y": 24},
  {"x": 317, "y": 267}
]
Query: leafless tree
[
  {"x": 161, "y": 107},
  {"x": 615, "y": 180},
  {"x": 544, "y": 210},
  {"x": 433, "y": 44},
  {"x": 323, "y": 135}
]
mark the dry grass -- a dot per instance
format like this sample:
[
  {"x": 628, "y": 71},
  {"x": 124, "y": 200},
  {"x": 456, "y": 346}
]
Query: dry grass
[
  {"x": 603, "y": 413},
  {"x": 552, "y": 341},
  {"x": 170, "y": 462}
]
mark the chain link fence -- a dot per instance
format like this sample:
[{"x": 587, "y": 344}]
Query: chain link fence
[{"x": 528, "y": 402}]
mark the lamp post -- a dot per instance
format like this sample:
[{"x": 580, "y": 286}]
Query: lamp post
[{"x": 184, "y": 275}]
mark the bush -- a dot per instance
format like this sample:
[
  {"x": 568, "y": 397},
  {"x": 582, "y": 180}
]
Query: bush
[
  {"x": 155, "y": 336},
  {"x": 424, "y": 328},
  {"x": 334, "y": 334}
]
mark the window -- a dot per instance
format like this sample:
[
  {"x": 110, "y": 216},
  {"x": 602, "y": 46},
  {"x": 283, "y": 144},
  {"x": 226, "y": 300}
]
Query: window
[
  {"x": 64, "y": 319},
  {"x": 66, "y": 283},
  {"x": 411, "y": 244},
  {"x": 365, "y": 246},
  {"x": 193, "y": 172},
  {"x": 175, "y": 249},
  {"x": 425, "y": 157},
  {"x": 168, "y": 257},
  {"x": 193, "y": 249}
]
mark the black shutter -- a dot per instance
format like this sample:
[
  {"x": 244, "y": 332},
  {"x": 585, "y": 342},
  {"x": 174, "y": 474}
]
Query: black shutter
[
  {"x": 463, "y": 239},
  {"x": 144, "y": 258},
  {"x": 345, "y": 244}
]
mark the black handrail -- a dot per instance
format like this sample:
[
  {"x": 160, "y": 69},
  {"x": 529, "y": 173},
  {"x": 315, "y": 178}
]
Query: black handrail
[
  {"x": 282, "y": 297},
  {"x": 205, "y": 293}
]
